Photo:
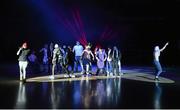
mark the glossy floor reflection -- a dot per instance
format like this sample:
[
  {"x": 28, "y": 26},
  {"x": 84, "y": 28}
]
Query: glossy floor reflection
[{"x": 119, "y": 92}]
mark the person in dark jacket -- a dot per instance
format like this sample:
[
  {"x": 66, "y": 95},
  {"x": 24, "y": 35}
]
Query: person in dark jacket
[{"x": 70, "y": 61}]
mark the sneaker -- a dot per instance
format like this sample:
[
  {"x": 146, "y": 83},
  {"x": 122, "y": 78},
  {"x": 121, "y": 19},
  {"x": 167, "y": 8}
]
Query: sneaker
[
  {"x": 156, "y": 79},
  {"x": 111, "y": 74},
  {"x": 21, "y": 78},
  {"x": 51, "y": 77},
  {"x": 82, "y": 72},
  {"x": 121, "y": 73},
  {"x": 66, "y": 75},
  {"x": 72, "y": 76}
]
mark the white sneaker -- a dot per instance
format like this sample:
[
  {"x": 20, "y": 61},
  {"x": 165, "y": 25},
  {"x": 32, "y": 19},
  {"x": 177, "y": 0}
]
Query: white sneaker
[
  {"x": 111, "y": 74},
  {"x": 20, "y": 78},
  {"x": 121, "y": 73},
  {"x": 51, "y": 77},
  {"x": 72, "y": 76},
  {"x": 82, "y": 72},
  {"x": 66, "y": 75}
]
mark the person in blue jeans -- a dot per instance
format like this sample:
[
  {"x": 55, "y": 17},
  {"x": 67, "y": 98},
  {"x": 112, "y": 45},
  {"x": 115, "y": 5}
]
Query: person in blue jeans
[
  {"x": 109, "y": 62},
  {"x": 78, "y": 50},
  {"x": 157, "y": 64}
]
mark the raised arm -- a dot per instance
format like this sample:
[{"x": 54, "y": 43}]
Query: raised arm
[
  {"x": 164, "y": 46},
  {"x": 18, "y": 52}
]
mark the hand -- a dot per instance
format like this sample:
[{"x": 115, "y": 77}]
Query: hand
[{"x": 167, "y": 43}]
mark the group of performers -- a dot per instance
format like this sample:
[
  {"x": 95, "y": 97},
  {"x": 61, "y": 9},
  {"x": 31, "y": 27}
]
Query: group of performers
[
  {"x": 108, "y": 62},
  {"x": 84, "y": 57}
]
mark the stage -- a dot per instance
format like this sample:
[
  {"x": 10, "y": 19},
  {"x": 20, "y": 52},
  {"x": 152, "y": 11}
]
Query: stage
[
  {"x": 135, "y": 89},
  {"x": 135, "y": 34}
]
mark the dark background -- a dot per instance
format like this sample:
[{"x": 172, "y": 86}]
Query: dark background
[{"x": 139, "y": 26}]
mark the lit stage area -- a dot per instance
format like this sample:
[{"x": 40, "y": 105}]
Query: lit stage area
[
  {"x": 137, "y": 75},
  {"x": 136, "y": 88}
]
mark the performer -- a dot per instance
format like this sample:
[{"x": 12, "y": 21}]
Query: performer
[
  {"x": 101, "y": 57},
  {"x": 50, "y": 55},
  {"x": 78, "y": 49},
  {"x": 70, "y": 61},
  {"x": 57, "y": 59},
  {"x": 157, "y": 64},
  {"x": 23, "y": 62},
  {"x": 45, "y": 54},
  {"x": 64, "y": 49},
  {"x": 33, "y": 62},
  {"x": 86, "y": 57},
  {"x": 45, "y": 57},
  {"x": 116, "y": 57},
  {"x": 90, "y": 66},
  {"x": 51, "y": 49},
  {"x": 109, "y": 62}
]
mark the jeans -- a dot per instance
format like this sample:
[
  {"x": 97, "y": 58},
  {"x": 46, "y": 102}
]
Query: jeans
[
  {"x": 78, "y": 60},
  {"x": 22, "y": 68},
  {"x": 115, "y": 67},
  {"x": 109, "y": 66},
  {"x": 158, "y": 67}
]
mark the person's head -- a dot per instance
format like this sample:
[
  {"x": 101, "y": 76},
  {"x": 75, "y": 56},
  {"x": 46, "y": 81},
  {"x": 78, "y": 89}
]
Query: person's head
[
  {"x": 77, "y": 43},
  {"x": 100, "y": 49},
  {"x": 109, "y": 48},
  {"x": 69, "y": 47},
  {"x": 89, "y": 44},
  {"x": 156, "y": 48},
  {"x": 64, "y": 46},
  {"x": 56, "y": 46},
  {"x": 24, "y": 45},
  {"x": 51, "y": 44},
  {"x": 87, "y": 47},
  {"x": 115, "y": 48}
]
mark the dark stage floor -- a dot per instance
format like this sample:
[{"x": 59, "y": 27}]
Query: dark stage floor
[{"x": 135, "y": 89}]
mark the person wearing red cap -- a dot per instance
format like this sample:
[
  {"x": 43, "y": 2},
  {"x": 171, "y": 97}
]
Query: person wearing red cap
[{"x": 23, "y": 62}]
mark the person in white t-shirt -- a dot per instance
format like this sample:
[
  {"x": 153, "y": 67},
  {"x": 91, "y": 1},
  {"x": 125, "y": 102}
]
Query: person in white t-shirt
[
  {"x": 78, "y": 49},
  {"x": 157, "y": 64}
]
